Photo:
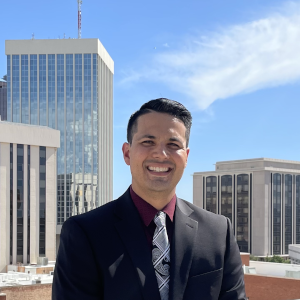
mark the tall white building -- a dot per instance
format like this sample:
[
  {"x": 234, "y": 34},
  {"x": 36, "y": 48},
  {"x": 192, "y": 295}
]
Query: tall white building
[
  {"x": 67, "y": 84},
  {"x": 260, "y": 196},
  {"x": 27, "y": 193}
]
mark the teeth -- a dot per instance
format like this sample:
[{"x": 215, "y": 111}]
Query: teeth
[{"x": 157, "y": 169}]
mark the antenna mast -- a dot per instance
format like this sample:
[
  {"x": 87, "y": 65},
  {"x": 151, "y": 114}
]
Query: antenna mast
[{"x": 79, "y": 18}]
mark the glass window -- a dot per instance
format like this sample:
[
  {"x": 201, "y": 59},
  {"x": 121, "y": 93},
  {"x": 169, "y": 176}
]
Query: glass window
[
  {"x": 51, "y": 90},
  {"x": 288, "y": 212},
  {"x": 276, "y": 214},
  {"x": 95, "y": 129},
  {"x": 242, "y": 235},
  {"x": 20, "y": 202},
  {"x": 28, "y": 206},
  {"x": 9, "y": 106},
  {"x": 226, "y": 196},
  {"x": 298, "y": 209},
  {"x": 79, "y": 144},
  {"x": 69, "y": 126},
  {"x": 11, "y": 204},
  {"x": 42, "y": 90},
  {"x": 211, "y": 194},
  {"x": 42, "y": 201},
  {"x": 33, "y": 90},
  {"x": 16, "y": 88}
]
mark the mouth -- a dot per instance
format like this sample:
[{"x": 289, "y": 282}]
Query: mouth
[{"x": 161, "y": 170}]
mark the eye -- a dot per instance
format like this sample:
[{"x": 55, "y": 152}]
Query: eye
[
  {"x": 148, "y": 142},
  {"x": 173, "y": 145}
]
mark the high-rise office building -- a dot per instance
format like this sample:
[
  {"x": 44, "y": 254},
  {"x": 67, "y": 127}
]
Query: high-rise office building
[
  {"x": 261, "y": 197},
  {"x": 67, "y": 84},
  {"x": 3, "y": 100}
]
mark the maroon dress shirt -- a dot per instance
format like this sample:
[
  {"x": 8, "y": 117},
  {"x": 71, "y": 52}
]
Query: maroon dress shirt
[{"x": 147, "y": 213}]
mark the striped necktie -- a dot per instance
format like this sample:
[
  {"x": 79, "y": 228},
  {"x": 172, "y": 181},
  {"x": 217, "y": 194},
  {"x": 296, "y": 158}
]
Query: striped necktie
[{"x": 161, "y": 255}]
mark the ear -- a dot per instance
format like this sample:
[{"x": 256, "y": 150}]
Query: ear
[
  {"x": 187, "y": 155},
  {"x": 126, "y": 153}
]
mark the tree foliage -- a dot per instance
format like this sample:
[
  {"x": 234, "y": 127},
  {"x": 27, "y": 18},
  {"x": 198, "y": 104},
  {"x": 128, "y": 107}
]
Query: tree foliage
[{"x": 274, "y": 258}]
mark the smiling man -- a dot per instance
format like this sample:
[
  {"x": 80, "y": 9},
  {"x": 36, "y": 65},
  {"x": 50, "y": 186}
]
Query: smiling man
[{"x": 149, "y": 244}]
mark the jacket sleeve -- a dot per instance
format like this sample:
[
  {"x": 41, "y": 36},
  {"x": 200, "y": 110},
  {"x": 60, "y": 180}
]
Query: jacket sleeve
[
  {"x": 233, "y": 286},
  {"x": 76, "y": 275}
]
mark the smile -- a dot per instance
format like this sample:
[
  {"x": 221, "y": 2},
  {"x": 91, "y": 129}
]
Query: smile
[{"x": 158, "y": 169}]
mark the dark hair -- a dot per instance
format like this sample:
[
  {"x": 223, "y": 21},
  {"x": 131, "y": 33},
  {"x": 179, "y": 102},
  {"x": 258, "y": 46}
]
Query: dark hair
[{"x": 161, "y": 105}]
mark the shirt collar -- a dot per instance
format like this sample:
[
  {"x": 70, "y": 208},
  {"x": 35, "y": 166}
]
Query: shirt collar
[{"x": 147, "y": 211}]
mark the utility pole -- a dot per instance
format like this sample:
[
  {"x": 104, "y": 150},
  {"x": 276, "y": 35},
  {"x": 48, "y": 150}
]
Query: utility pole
[{"x": 79, "y": 18}]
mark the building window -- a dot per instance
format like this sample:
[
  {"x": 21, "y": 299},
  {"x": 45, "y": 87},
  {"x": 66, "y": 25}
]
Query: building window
[
  {"x": 11, "y": 203},
  {"x": 24, "y": 89},
  {"x": 42, "y": 250},
  {"x": 87, "y": 76},
  {"x": 288, "y": 212},
  {"x": 276, "y": 189},
  {"x": 243, "y": 201},
  {"x": 51, "y": 90},
  {"x": 33, "y": 90},
  {"x": 211, "y": 194},
  {"x": 226, "y": 196},
  {"x": 69, "y": 133},
  {"x": 61, "y": 127},
  {"x": 8, "y": 89},
  {"x": 78, "y": 155},
  {"x": 20, "y": 201},
  {"x": 42, "y": 90},
  {"x": 28, "y": 206},
  {"x": 95, "y": 129},
  {"x": 16, "y": 88},
  {"x": 298, "y": 209}
]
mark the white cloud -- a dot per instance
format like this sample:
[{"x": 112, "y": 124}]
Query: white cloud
[{"x": 237, "y": 59}]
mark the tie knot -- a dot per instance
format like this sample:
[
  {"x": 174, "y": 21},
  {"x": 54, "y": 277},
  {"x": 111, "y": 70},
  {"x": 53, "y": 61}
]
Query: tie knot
[{"x": 160, "y": 219}]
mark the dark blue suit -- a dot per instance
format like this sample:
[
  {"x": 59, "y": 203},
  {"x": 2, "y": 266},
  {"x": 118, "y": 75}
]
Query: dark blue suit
[{"x": 104, "y": 254}]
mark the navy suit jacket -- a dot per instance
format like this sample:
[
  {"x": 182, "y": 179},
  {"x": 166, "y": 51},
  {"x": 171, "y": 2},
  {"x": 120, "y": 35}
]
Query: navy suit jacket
[{"x": 104, "y": 254}]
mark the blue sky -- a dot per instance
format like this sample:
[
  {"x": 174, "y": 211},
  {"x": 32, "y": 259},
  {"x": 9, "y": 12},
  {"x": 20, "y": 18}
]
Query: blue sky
[{"x": 235, "y": 64}]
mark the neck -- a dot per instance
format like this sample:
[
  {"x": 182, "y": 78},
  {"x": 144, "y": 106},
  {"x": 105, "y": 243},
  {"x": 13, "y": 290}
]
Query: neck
[{"x": 157, "y": 199}]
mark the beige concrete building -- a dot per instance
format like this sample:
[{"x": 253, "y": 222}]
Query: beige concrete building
[
  {"x": 27, "y": 193},
  {"x": 260, "y": 196}
]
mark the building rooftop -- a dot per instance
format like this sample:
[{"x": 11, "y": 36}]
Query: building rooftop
[
  {"x": 52, "y": 46},
  {"x": 255, "y": 164},
  {"x": 35, "y": 135},
  {"x": 257, "y": 159}
]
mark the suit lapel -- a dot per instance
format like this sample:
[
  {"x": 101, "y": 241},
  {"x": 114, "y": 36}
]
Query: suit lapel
[
  {"x": 133, "y": 236},
  {"x": 182, "y": 249}
]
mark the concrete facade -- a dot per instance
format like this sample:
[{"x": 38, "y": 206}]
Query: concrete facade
[
  {"x": 264, "y": 209},
  {"x": 20, "y": 192}
]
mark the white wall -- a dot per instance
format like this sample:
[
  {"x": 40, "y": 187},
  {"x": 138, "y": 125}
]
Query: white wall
[{"x": 273, "y": 269}]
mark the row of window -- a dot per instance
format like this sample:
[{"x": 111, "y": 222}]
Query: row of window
[
  {"x": 227, "y": 185},
  {"x": 21, "y": 213},
  {"x": 283, "y": 200}
]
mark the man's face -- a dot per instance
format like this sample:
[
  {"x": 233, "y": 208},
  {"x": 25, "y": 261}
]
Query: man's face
[{"x": 157, "y": 155}]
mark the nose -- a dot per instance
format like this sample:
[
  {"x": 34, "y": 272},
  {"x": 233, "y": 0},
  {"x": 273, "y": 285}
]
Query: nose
[{"x": 160, "y": 152}]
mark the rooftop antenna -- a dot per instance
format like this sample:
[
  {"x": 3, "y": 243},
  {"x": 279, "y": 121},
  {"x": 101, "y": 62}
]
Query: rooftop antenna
[{"x": 79, "y": 18}]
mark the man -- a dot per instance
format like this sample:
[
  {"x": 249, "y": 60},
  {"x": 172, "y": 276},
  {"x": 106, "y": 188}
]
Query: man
[{"x": 149, "y": 244}]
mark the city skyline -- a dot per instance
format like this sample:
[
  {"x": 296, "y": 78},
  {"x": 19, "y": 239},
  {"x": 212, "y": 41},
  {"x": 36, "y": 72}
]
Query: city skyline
[{"x": 245, "y": 97}]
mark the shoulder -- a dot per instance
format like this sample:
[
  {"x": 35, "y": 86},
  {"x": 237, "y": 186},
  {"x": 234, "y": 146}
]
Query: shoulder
[
  {"x": 202, "y": 216},
  {"x": 97, "y": 218}
]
